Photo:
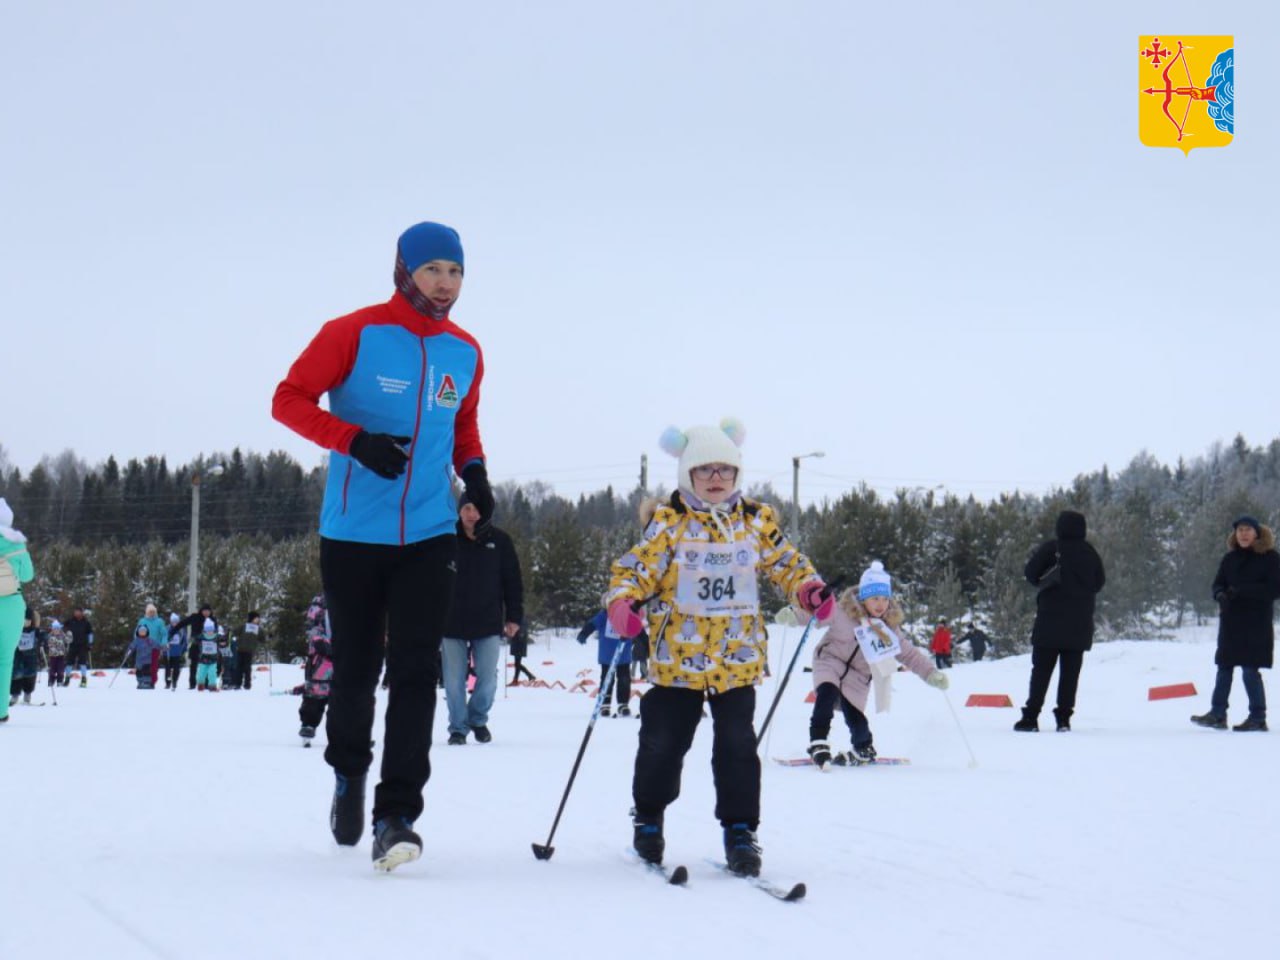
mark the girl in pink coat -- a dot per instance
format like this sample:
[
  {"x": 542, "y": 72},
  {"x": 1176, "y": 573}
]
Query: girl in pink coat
[{"x": 862, "y": 648}]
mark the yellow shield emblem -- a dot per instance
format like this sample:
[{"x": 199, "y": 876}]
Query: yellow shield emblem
[{"x": 1186, "y": 91}]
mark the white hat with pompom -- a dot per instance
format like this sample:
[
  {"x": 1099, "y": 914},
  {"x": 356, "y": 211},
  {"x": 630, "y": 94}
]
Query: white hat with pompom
[{"x": 701, "y": 445}]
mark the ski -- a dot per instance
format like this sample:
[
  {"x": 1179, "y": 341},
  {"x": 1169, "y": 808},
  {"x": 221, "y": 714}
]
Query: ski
[
  {"x": 677, "y": 876},
  {"x": 836, "y": 761},
  {"x": 778, "y": 891}
]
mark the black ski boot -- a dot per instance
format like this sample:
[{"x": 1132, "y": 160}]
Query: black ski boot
[
  {"x": 820, "y": 754},
  {"x": 1064, "y": 720},
  {"x": 647, "y": 837},
  {"x": 741, "y": 851},
  {"x": 1253, "y": 723},
  {"x": 307, "y": 732},
  {"x": 1210, "y": 720},
  {"x": 1029, "y": 722},
  {"x": 394, "y": 843},
  {"x": 346, "y": 814}
]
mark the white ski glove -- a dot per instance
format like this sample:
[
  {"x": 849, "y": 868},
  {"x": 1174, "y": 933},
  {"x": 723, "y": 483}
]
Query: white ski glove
[{"x": 938, "y": 680}]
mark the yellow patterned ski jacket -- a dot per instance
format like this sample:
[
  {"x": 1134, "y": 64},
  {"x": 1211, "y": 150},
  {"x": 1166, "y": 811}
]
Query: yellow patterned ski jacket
[{"x": 701, "y": 567}]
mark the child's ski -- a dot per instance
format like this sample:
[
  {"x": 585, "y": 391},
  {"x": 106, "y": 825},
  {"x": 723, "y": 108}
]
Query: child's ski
[
  {"x": 836, "y": 761},
  {"x": 779, "y": 892},
  {"x": 677, "y": 876}
]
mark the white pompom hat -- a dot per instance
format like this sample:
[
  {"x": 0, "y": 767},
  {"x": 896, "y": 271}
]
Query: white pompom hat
[
  {"x": 701, "y": 445},
  {"x": 875, "y": 582}
]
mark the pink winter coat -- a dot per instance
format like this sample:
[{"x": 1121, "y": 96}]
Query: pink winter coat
[{"x": 838, "y": 659}]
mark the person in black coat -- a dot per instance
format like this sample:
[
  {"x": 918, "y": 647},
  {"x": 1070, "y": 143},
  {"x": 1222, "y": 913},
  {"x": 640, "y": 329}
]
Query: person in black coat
[
  {"x": 488, "y": 603},
  {"x": 1246, "y": 588},
  {"x": 1068, "y": 573},
  {"x": 977, "y": 641}
]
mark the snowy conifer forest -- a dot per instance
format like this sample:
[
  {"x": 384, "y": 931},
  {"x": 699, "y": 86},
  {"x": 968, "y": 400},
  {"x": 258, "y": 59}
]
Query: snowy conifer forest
[{"x": 112, "y": 537}]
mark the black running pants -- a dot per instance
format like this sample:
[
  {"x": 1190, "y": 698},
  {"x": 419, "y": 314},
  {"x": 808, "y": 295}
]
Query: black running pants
[{"x": 401, "y": 593}]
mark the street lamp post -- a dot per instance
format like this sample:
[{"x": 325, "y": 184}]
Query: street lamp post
[
  {"x": 193, "y": 565},
  {"x": 795, "y": 491}
]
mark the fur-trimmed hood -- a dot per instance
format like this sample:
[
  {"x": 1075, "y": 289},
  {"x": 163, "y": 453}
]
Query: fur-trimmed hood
[
  {"x": 1265, "y": 542},
  {"x": 850, "y": 604}
]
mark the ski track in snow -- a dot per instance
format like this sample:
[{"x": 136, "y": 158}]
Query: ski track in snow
[{"x": 184, "y": 825}]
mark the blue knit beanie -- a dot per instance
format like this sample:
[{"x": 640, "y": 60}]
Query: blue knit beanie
[{"x": 425, "y": 242}]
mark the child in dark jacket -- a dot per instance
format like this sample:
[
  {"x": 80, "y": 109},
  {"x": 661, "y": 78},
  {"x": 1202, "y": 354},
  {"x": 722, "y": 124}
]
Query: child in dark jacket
[
  {"x": 608, "y": 642},
  {"x": 318, "y": 671},
  {"x": 140, "y": 649},
  {"x": 26, "y": 659}
]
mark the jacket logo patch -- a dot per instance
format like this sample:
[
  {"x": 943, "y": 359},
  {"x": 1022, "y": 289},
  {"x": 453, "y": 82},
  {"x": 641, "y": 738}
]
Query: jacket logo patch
[{"x": 447, "y": 395}]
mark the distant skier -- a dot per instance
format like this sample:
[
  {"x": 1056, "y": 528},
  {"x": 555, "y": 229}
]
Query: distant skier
[
  {"x": 210, "y": 645},
  {"x": 194, "y": 624},
  {"x": 518, "y": 647},
  {"x": 174, "y": 650},
  {"x": 701, "y": 555},
  {"x": 158, "y": 630},
  {"x": 26, "y": 661},
  {"x": 140, "y": 649},
  {"x": 1245, "y": 587},
  {"x": 250, "y": 636},
  {"x": 940, "y": 645},
  {"x": 861, "y": 648},
  {"x": 56, "y": 648},
  {"x": 977, "y": 641},
  {"x": 605, "y": 646},
  {"x": 81, "y": 646},
  {"x": 318, "y": 670}
]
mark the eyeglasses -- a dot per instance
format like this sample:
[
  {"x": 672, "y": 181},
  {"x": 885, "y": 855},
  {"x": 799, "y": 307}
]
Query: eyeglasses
[{"x": 709, "y": 470}]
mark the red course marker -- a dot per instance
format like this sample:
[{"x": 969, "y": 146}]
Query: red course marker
[
  {"x": 988, "y": 700},
  {"x": 1171, "y": 691}
]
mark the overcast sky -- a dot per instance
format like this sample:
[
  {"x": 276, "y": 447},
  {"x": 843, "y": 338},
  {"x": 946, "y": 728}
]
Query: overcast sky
[{"x": 923, "y": 238}]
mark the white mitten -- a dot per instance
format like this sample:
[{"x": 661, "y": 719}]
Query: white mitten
[
  {"x": 938, "y": 679},
  {"x": 787, "y": 617}
]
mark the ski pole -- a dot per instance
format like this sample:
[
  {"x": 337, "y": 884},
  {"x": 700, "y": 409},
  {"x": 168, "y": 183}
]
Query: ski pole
[
  {"x": 543, "y": 851},
  {"x": 973, "y": 761},
  {"x": 831, "y": 588},
  {"x": 119, "y": 668}
]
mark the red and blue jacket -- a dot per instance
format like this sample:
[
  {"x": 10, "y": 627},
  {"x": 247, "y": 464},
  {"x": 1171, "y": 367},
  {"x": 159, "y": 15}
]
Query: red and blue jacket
[{"x": 388, "y": 369}]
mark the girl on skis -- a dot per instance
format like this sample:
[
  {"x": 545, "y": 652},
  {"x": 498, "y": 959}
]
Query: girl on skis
[
  {"x": 862, "y": 648},
  {"x": 699, "y": 561},
  {"x": 26, "y": 661}
]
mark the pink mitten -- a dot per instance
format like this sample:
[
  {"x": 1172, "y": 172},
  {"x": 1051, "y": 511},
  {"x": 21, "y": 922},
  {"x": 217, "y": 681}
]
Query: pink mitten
[
  {"x": 624, "y": 619},
  {"x": 812, "y": 600}
]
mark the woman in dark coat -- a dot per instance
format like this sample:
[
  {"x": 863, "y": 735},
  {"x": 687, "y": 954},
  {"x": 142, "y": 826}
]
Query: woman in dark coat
[
  {"x": 1068, "y": 573},
  {"x": 1246, "y": 587},
  {"x": 518, "y": 646}
]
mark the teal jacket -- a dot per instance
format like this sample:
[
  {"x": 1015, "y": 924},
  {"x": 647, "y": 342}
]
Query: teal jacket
[{"x": 19, "y": 559}]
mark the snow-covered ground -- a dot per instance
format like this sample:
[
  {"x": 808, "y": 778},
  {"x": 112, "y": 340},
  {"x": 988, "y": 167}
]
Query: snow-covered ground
[{"x": 158, "y": 824}]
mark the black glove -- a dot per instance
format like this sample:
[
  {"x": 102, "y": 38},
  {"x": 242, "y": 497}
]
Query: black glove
[
  {"x": 382, "y": 453},
  {"x": 476, "y": 479}
]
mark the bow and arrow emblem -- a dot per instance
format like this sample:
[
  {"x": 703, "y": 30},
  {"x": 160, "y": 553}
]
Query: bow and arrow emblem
[{"x": 1169, "y": 91}]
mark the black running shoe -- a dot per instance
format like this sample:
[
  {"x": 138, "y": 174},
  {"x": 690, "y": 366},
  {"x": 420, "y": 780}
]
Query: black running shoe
[
  {"x": 394, "y": 843},
  {"x": 1210, "y": 720},
  {"x": 741, "y": 850},
  {"x": 481, "y": 734},
  {"x": 346, "y": 815},
  {"x": 1253, "y": 723},
  {"x": 457, "y": 739}
]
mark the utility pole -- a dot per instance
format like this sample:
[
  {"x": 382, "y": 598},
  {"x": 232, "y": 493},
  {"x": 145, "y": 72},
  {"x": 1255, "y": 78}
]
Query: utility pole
[
  {"x": 644, "y": 473},
  {"x": 193, "y": 564},
  {"x": 795, "y": 492}
]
